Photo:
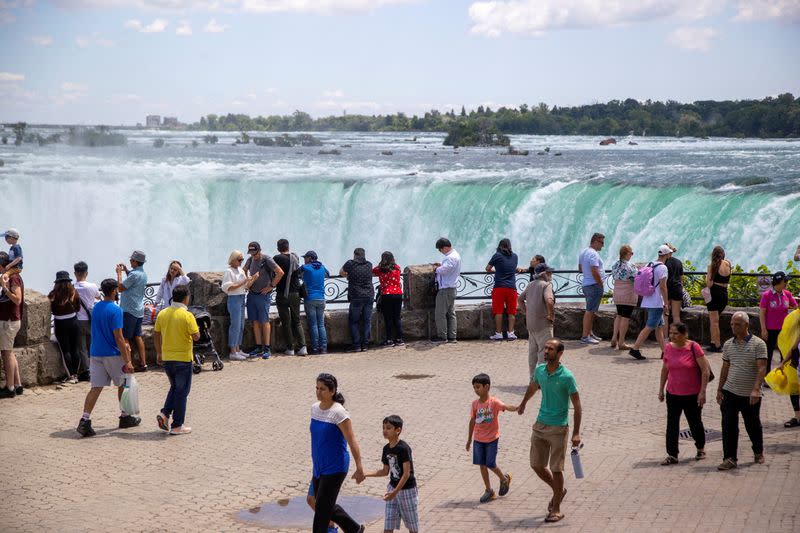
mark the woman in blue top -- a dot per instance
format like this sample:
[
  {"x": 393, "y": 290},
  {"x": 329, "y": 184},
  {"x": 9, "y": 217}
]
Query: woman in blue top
[
  {"x": 504, "y": 294},
  {"x": 331, "y": 432}
]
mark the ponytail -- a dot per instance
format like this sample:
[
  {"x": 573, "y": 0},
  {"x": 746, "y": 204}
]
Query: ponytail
[{"x": 338, "y": 398}]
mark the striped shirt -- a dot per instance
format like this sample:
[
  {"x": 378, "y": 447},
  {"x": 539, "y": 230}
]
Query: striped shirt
[{"x": 742, "y": 356}]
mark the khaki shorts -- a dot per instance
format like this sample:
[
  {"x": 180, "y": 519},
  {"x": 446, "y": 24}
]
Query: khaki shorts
[
  {"x": 8, "y": 332},
  {"x": 104, "y": 370},
  {"x": 549, "y": 445}
]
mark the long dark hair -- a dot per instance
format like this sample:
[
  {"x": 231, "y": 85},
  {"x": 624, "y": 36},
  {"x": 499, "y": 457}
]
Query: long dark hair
[
  {"x": 505, "y": 247},
  {"x": 63, "y": 292},
  {"x": 387, "y": 263},
  {"x": 717, "y": 255},
  {"x": 329, "y": 380},
  {"x": 169, "y": 276}
]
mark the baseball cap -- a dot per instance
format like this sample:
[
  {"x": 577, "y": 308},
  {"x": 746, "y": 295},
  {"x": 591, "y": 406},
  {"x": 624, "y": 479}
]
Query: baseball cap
[
  {"x": 311, "y": 254},
  {"x": 542, "y": 267},
  {"x": 253, "y": 248},
  {"x": 11, "y": 232},
  {"x": 664, "y": 250},
  {"x": 778, "y": 277}
]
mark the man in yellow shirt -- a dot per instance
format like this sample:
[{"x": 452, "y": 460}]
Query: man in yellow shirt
[{"x": 175, "y": 330}]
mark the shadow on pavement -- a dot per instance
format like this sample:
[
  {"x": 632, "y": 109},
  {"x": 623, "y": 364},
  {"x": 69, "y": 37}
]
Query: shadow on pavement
[{"x": 71, "y": 434}]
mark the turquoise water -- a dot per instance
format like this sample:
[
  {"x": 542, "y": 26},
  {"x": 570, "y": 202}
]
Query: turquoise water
[{"x": 197, "y": 204}]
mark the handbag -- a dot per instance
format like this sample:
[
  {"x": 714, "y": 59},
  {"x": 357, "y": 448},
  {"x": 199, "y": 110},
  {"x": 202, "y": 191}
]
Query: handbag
[
  {"x": 705, "y": 292},
  {"x": 711, "y": 375},
  {"x": 379, "y": 300}
]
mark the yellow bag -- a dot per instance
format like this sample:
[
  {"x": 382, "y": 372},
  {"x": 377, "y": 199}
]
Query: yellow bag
[
  {"x": 783, "y": 380},
  {"x": 790, "y": 333}
]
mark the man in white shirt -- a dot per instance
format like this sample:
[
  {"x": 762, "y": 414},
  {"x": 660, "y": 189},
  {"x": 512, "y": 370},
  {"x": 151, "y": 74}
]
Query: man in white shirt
[
  {"x": 89, "y": 294},
  {"x": 656, "y": 305},
  {"x": 591, "y": 267},
  {"x": 447, "y": 274}
]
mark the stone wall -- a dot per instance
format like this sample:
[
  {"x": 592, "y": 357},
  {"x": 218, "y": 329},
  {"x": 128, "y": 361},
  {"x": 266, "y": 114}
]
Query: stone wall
[{"x": 40, "y": 360}]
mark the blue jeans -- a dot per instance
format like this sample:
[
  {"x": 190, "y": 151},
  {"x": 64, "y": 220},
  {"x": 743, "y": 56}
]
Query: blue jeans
[
  {"x": 236, "y": 311},
  {"x": 360, "y": 309},
  {"x": 179, "y": 374},
  {"x": 315, "y": 314}
]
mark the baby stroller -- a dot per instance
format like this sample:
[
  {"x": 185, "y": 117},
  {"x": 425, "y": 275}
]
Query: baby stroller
[{"x": 204, "y": 346}]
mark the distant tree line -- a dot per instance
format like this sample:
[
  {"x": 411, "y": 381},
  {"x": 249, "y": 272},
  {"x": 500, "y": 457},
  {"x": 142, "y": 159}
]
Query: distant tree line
[{"x": 771, "y": 117}]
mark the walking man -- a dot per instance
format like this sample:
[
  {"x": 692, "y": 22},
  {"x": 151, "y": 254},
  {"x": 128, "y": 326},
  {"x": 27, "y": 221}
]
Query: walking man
[
  {"x": 110, "y": 357},
  {"x": 360, "y": 294},
  {"x": 447, "y": 274},
  {"x": 259, "y": 296},
  {"x": 131, "y": 300},
  {"x": 655, "y": 304},
  {"x": 744, "y": 363},
  {"x": 591, "y": 266},
  {"x": 538, "y": 304},
  {"x": 288, "y": 299},
  {"x": 549, "y": 438},
  {"x": 175, "y": 330}
]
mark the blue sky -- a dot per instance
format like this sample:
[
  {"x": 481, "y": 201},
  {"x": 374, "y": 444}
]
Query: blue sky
[{"x": 115, "y": 61}]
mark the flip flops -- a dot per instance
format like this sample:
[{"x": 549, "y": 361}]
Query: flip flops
[
  {"x": 554, "y": 517},
  {"x": 550, "y": 505}
]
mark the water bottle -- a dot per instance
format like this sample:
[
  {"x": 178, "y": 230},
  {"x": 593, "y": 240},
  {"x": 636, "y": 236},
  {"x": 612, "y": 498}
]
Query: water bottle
[{"x": 576, "y": 461}]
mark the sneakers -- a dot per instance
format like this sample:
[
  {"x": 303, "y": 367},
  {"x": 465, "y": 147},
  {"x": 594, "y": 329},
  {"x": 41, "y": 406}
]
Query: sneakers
[
  {"x": 438, "y": 340},
  {"x": 510, "y": 335},
  {"x": 264, "y": 353},
  {"x": 19, "y": 390},
  {"x": 302, "y": 351},
  {"x": 85, "y": 428},
  {"x": 636, "y": 354},
  {"x": 182, "y": 430},
  {"x": 255, "y": 352},
  {"x": 496, "y": 337},
  {"x": 129, "y": 421},
  {"x": 237, "y": 356},
  {"x": 73, "y": 380},
  {"x": 488, "y": 496},
  {"x": 589, "y": 340},
  {"x": 700, "y": 455},
  {"x": 399, "y": 342},
  {"x": 727, "y": 464},
  {"x": 595, "y": 337},
  {"x": 7, "y": 393},
  {"x": 323, "y": 350},
  {"x": 288, "y": 352},
  {"x": 451, "y": 341},
  {"x": 505, "y": 484},
  {"x": 387, "y": 343}
]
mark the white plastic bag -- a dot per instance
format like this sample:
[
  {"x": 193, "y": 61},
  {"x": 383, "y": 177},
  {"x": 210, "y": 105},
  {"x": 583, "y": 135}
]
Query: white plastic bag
[{"x": 129, "y": 402}]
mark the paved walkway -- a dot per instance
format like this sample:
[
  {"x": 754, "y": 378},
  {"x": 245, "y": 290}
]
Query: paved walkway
[{"x": 251, "y": 447}]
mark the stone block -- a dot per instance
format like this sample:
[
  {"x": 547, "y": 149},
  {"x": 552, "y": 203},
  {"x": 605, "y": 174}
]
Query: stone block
[
  {"x": 205, "y": 290},
  {"x": 417, "y": 324},
  {"x": 35, "y": 326},
  {"x": 39, "y": 364},
  {"x": 417, "y": 286}
]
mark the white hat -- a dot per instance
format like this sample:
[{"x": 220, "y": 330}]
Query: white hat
[{"x": 664, "y": 250}]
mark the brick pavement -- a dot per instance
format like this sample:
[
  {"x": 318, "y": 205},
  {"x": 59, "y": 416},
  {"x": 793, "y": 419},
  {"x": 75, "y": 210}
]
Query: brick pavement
[{"x": 250, "y": 447}]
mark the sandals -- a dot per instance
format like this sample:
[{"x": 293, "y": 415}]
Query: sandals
[
  {"x": 550, "y": 505},
  {"x": 669, "y": 461},
  {"x": 163, "y": 421},
  {"x": 791, "y": 423},
  {"x": 700, "y": 455},
  {"x": 554, "y": 517}
]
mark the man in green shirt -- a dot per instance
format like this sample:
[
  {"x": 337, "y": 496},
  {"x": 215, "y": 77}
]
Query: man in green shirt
[{"x": 549, "y": 438}]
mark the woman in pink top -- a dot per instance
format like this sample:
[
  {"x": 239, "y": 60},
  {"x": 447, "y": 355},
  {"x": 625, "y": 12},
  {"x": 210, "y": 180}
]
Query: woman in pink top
[
  {"x": 775, "y": 304},
  {"x": 685, "y": 372}
]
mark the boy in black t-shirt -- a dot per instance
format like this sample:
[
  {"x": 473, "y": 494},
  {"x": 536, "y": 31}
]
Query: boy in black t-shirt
[{"x": 401, "y": 494}]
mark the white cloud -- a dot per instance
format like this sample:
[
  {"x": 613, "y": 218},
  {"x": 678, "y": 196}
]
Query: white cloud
[
  {"x": 325, "y": 7},
  {"x": 42, "y": 40},
  {"x": 269, "y": 91},
  {"x": 354, "y": 106},
  {"x": 184, "y": 29},
  {"x": 11, "y": 76},
  {"x": 124, "y": 99},
  {"x": 768, "y": 9},
  {"x": 698, "y": 39},
  {"x": 84, "y": 41},
  {"x": 534, "y": 17},
  {"x": 214, "y": 27},
  {"x": 68, "y": 86},
  {"x": 157, "y": 26},
  {"x": 331, "y": 94},
  {"x": 231, "y": 6}
]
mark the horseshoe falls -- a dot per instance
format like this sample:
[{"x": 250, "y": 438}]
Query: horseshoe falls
[{"x": 197, "y": 204}]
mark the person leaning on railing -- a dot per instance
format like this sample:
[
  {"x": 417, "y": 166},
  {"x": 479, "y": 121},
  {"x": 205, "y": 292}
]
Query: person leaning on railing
[{"x": 718, "y": 277}]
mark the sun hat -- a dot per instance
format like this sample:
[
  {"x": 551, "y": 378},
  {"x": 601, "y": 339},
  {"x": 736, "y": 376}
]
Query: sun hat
[
  {"x": 62, "y": 275},
  {"x": 138, "y": 256}
]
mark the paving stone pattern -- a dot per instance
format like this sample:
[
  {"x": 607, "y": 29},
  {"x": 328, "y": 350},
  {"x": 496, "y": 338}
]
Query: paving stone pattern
[{"x": 250, "y": 446}]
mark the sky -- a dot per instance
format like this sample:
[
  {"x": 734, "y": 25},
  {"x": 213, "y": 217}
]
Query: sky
[{"x": 116, "y": 61}]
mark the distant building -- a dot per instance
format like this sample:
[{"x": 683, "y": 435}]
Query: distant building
[
  {"x": 170, "y": 122},
  {"x": 153, "y": 121}
]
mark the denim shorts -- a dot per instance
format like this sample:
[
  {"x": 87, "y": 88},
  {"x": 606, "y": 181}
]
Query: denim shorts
[
  {"x": 131, "y": 326},
  {"x": 593, "y": 293},
  {"x": 485, "y": 453},
  {"x": 655, "y": 317},
  {"x": 258, "y": 306}
]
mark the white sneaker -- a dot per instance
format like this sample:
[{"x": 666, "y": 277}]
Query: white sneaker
[
  {"x": 288, "y": 352},
  {"x": 496, "y": 337},
  {"x": 511, "y": 336},
  {"x": 302, "y": 351},
  {"x": 595, "y": 337},
  {"x": 589, "y": 340},
  {"x": 237, "y": 356}
]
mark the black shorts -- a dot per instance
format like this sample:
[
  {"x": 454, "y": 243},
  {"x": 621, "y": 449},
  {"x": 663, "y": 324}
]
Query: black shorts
[
  {"x": 625, "y": 311},
  {"x": 719, "y": 298},
  {"x": 675, "y": 292}
]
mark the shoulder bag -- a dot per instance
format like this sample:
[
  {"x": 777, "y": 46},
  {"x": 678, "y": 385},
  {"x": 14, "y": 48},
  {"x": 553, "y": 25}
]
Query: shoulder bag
[{"x": 711, "y": 375}]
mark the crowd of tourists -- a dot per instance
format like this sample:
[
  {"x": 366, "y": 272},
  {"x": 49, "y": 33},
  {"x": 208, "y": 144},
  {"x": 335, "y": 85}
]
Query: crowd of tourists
[{"x": 97, "y": 329}]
